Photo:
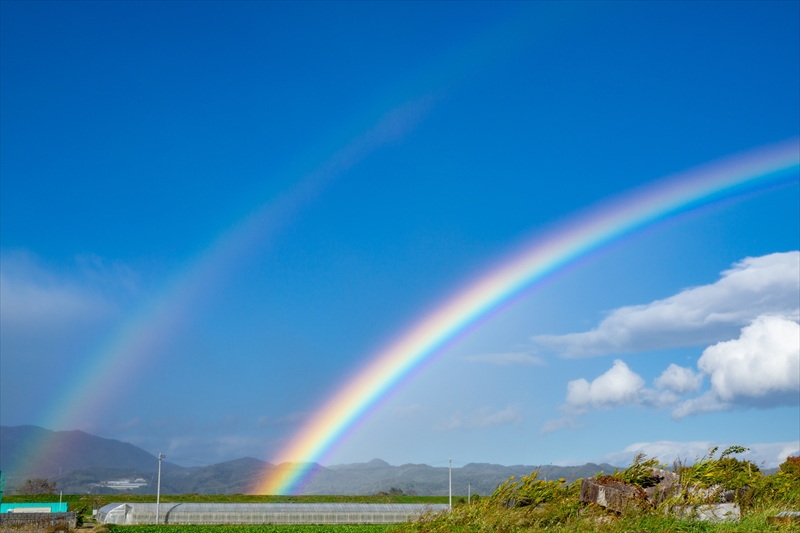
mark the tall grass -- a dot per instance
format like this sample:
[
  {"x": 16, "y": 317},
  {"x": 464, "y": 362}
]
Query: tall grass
[{"x": 532, "y": 505}]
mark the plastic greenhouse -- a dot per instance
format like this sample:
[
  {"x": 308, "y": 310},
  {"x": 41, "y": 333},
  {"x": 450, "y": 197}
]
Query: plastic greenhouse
[{"x": 263, "y": 513}]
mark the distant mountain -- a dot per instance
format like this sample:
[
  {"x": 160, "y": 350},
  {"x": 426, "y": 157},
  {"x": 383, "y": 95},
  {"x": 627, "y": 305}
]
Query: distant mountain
[
  {"x": 80, "y": 463},
  {"x": 69, "y": 450},
  {"x": 483, "y": 478}
]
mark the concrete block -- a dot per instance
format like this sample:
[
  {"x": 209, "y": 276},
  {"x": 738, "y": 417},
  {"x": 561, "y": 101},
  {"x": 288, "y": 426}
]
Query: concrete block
[
  {"x": 611, "y": 494},
  {"x": 714, "y": 512},
  {"x": 785, "y": 517},
  {"x": 667, "y": 485}
]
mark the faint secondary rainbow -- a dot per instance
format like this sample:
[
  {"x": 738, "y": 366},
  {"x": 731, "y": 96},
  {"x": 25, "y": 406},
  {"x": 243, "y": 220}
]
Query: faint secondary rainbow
[
  {"x": 137, "y": 341},
  {"x": 536, "y": 261}
]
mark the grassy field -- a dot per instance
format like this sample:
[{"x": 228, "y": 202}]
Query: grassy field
[
  {"x": 531, "y": 505},
  {"x": 253, "y": 529},
  {"x": 76, "y": 502}
]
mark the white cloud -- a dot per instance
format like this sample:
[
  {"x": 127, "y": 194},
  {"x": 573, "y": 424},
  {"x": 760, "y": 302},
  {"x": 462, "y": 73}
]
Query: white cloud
[
  {"x": 559, "y": 423},
  {"x": 41, "y": 300},
  {"x": 33, "y": 300},
  {"x": 49, "y": 315},
  {"x": 770, "y": 454},
  {"x": 679, "y": 379},
  {"x": 507, "y": 359},
  {"x": 705, "y": 403},
  {"x": 763, "y": 360},
  {"x": 481, "y": 418},
  {"x": 759, "y": 369},
  {"x": 618, "y": 386},
  {"x": 755, "y": 286}
]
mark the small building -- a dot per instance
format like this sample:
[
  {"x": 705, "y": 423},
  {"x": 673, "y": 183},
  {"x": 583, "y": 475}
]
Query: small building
[
  {"x": 264, "y": 513},
  {"x": 124, "y": 484},
  {"x": 38, "y": 507}
]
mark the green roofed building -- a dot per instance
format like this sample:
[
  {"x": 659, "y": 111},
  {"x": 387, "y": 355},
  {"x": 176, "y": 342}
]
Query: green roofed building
[{"x": 38, "y": 507}]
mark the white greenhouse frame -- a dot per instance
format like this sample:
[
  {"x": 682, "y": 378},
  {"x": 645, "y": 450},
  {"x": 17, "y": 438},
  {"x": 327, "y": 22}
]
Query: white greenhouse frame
[{"x": 265, "y": 513}]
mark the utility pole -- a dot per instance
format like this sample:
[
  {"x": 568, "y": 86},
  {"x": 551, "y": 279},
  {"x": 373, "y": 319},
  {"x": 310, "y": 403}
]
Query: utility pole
[
  {"x": 158, "y": 486},
  {"x": 469, "y": 492},
  {"x": 450, "y": 462}
]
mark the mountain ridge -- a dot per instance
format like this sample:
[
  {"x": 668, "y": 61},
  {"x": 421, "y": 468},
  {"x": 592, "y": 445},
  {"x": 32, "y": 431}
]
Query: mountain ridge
[{"x": 82, "y": 462}]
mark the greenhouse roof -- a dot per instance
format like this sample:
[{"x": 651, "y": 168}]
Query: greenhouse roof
[{"x": 264, "y": 513}]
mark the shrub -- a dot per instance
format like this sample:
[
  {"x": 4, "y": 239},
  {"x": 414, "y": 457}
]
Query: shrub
[
  {"x": 791, "y": 467},
  {"x": 37, "y": 485}
]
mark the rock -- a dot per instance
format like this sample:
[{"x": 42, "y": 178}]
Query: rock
[
  {"x": 712, "y": 494},
  {"x": 785, "y": 517},
  {"x": 715, "y": 494},
  {"x": 714, "y": 512},
  {"x": 667, "y": 484},
  {"x": 729, "y": 496},
  {"x": 611, "y": 493}
]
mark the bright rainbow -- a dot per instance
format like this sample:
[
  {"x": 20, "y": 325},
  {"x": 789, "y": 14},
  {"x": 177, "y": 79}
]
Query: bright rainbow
[{"x": 534, "y": 263}]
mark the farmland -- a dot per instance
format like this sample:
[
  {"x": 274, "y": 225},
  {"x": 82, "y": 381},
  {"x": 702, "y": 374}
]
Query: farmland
[
  {"x": 76, "y": 502},
  {"x": 532, "y": 505},
  {"x": 255, "y": 529}
]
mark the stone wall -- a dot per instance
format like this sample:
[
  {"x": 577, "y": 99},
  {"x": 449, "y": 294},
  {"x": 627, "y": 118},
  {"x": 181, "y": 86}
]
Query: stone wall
[{"x": 37, "y": 522}]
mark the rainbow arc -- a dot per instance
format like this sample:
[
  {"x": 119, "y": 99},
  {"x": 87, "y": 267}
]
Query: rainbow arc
[{"x": 534, "y": 263}]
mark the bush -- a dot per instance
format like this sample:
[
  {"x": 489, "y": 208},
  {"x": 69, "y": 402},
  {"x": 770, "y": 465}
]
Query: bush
[
  {"x": 791, "y": 467},
  {"x": 531, "y": 505},
  {"x": 726, "y": 471},
  {"x": 37, "y": 485}
]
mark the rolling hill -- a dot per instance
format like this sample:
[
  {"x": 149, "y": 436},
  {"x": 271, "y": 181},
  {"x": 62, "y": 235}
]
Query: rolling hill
[{"x": 82, "y": 462}]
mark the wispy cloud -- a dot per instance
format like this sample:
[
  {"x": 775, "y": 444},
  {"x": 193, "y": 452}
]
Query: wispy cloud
[
  {"x": 559, "y": 423},
  {"x": 36, "y": 299},
  {"x": 507, "y": 359},
  {"x": 52, "y": 313},
  {"x": 189, "y": 441},
  {"x": 770, "y": 454},
  {"x": 481, "y": 418},
  {"x": 755, "y": 286},
  {"x": 290, "y": 419}
]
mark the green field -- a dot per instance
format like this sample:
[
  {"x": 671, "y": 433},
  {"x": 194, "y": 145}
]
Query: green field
[
  {"x": 254, "y": 529},
  {"x": 76, "y": 502},
  {"x": 531, "y": 505}
]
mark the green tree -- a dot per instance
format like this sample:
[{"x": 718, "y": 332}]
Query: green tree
[{"x": 37, "y": 485}]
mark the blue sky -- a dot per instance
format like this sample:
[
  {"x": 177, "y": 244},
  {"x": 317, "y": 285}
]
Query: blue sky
[{"x": 138, "y": 138}]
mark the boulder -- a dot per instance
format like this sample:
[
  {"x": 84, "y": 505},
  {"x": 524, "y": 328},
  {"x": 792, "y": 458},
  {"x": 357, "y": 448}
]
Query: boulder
[
  {"x": 667, "y": 485},
  {"x": 714, "y": 512},
  {"x": 611, "y": 493}
]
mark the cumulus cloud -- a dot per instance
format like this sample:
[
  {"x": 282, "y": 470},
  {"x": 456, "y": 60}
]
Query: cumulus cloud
[
  {"x": 679, "y": 379},
  {"x": 481, "y": 418},
  {"x": 619, "y": 386},
  {"x": 507, "y": 359},
  {"x": 755, "y": 286},
  {"x": 759, "y": 369},
  {"x": 769, "y": 454}
]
